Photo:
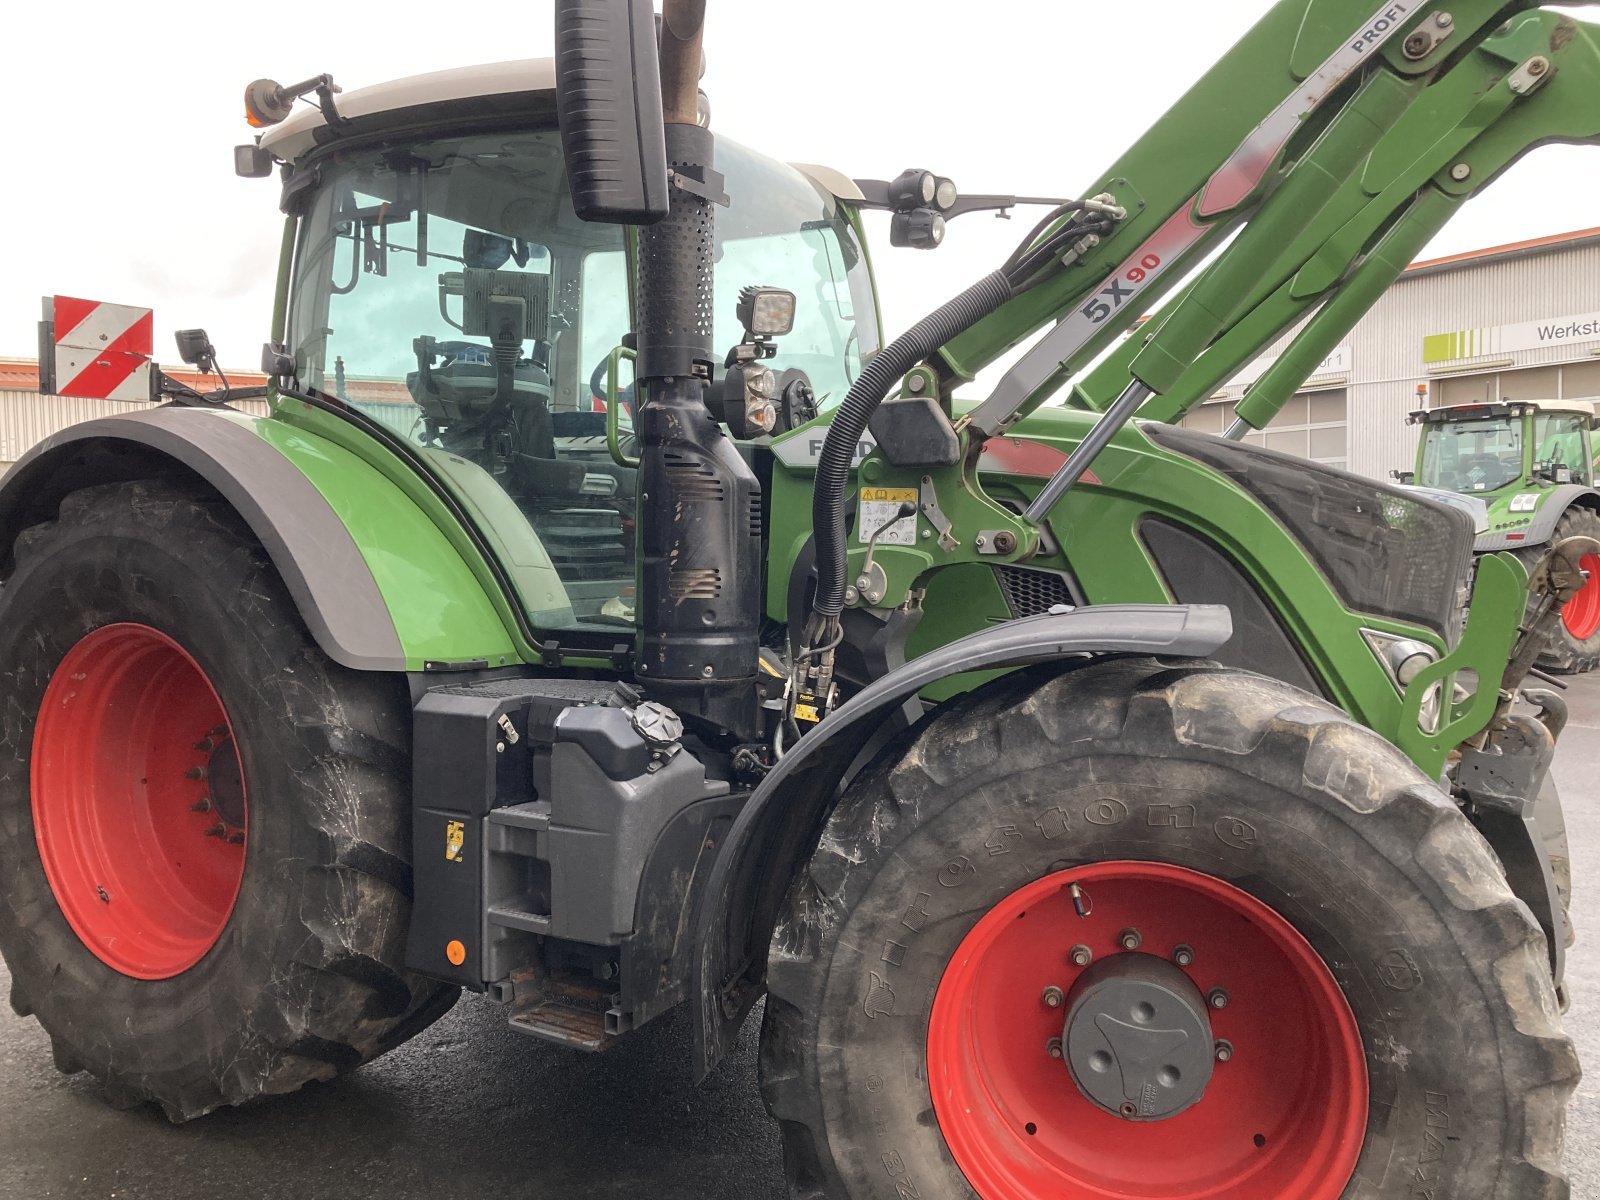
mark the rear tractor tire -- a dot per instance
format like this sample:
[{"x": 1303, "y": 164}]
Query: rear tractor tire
[
  {"x": 1168, "y": 932},
  {"x": 204, "y": 822},
  {"x": 1574, "y": 645}
]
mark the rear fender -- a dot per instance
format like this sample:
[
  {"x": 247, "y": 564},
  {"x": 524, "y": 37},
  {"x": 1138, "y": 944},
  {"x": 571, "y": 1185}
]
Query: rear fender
[
  {"x": 780, "y": 823},
  {"x": 377, "y": 583}
]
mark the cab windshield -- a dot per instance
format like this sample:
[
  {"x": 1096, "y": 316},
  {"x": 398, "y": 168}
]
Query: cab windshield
[
  {"x": 1471, "y": 456},
  {"x": 447, "y": 290}
]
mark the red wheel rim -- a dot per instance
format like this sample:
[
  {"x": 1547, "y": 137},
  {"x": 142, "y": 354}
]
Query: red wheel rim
[
  {"x": 1581, "y": 614},
  {"x": 138, "y": 801},
  {"x": 1284, "y": 1117}
]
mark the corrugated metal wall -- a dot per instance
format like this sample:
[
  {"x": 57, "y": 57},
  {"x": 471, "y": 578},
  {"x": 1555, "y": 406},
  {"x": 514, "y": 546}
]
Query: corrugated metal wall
[{"x": 27, "y": 417}]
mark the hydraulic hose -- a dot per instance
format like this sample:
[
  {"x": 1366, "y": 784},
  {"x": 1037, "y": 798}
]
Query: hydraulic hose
[{"x": 860, "y": 402}]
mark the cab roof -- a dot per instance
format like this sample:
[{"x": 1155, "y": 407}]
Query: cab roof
[
  {"x": 297, "y": 134},
  {"x": 534, "y": 78},
  {"x": 1479, "y": 410}
]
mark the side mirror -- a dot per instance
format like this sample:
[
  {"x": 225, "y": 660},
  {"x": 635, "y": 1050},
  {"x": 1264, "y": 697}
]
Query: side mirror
[
  {"x": 1403, "y": 476},
  {"x": 608, "y": 103},
  {"x": 277, "y": 362}
]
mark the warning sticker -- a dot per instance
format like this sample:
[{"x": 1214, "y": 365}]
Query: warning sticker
[
  {"x": 882, "y": 506},
  {"x": 455, "y": 840}
]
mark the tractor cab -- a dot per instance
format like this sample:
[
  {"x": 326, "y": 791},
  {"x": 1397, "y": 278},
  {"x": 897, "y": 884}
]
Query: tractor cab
[
  {"x": 1479, "y": 449},
  {"x": 443, "y": 287}
]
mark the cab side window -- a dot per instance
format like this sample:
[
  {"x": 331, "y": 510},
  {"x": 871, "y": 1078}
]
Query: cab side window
[{"x": 1559, "y": 449}]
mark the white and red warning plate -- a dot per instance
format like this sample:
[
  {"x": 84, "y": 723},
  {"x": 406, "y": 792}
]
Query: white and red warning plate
[{"x": 101, "y": 351}]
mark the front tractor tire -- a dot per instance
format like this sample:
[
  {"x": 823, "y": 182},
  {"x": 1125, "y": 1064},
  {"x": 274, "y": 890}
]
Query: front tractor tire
[
  {"x": 204, "y": 822},
  {"x": 1574, "y": 644},
  {"x": 1173, "y": 932}
]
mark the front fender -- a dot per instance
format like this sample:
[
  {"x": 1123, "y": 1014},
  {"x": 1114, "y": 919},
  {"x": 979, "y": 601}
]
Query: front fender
[
  {"x": 1540, "y": 526},
  {"x": 781, "y": 821},
  {"x": 376, "y": 581}
]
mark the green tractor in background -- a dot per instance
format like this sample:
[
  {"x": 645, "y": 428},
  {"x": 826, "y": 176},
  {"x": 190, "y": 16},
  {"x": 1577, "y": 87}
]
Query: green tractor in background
[
  {"x": 1101, "y": 808},
  {"x": 1532, "y": 464}
]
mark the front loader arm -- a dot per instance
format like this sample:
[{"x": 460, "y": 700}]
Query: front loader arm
[
  {"x": 1293, "y": 183},
  {"x": 1330, "y": 159}
]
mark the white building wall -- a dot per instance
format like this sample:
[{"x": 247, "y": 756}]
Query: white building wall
[
  {"x": 1386, "y": 348},
  {"x": 1549, "y": 282}
]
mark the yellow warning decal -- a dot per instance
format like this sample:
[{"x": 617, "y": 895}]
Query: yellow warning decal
[
  {"x": 806, "y": 712},
  {"x": 455, "y": 838},
  {"x": 879, "y": 515}
]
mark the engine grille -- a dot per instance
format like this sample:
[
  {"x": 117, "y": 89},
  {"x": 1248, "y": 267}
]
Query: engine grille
[{"x": 1029, "y": 593}]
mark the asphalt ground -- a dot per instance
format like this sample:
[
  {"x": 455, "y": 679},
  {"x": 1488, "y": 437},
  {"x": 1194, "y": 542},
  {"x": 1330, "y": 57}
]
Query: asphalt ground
[{"x": 471, "y": 1110}]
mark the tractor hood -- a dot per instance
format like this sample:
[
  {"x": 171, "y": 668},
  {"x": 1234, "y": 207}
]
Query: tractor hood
[{"x": 1473, "y": 506}]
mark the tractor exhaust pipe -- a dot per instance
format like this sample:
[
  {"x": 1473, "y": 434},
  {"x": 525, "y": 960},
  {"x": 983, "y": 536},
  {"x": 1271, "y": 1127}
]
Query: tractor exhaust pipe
[{"x": 700, "y": 504}]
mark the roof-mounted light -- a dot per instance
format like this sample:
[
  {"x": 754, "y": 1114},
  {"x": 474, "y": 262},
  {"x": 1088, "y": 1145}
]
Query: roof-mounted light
[{"x": 267, "y": 102}]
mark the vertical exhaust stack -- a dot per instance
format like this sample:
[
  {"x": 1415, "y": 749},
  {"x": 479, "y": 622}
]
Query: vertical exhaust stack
[
  {"x": 700, "y": 504},
  {"x": 700, "y": 524}
]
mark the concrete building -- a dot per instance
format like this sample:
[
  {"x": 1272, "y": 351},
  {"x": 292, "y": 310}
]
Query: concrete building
[{"x": 1519, "y": 321}]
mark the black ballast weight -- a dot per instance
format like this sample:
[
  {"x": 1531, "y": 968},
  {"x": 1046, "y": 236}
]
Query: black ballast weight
[{"x": 541, "y": 811}]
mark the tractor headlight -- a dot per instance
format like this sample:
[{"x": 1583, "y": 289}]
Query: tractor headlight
[
  {"x": 1402, "y": 658},
  {"x": 921, "y": 229},
  {"x": 913, "y": 189}
]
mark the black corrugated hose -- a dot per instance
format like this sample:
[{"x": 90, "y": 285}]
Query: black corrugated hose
[{"x": 850, "y": 422}]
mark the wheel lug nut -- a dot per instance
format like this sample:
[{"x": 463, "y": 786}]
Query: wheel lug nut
[
  {"x": 1081, "y": 955},
  {"x": 1217, "y": 998},
  {"x": 1129, "y": 939},
  {"x": 205, "y": 745},
  {"x": 236, "y": 838},
  {"x": 1183, "y": 955},
  {"x": 195, "y": 773},
  {"x": 1224, "y": 1051},
  {"x": 1054, "y": 997},
  {"x": 219, "y": 830},
  {"x": 1053, "y": 1047},
  {"x": 201, "y": 805}
]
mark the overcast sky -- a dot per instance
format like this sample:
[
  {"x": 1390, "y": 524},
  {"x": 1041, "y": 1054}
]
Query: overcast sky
[{"x": 118, "y": 127}]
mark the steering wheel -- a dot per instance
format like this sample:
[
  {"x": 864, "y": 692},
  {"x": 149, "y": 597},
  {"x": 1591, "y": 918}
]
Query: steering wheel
[{"x": 597, "y": 385}]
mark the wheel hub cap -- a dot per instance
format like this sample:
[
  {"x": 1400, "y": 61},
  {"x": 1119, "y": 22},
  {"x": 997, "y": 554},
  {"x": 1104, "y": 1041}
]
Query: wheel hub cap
[{"x": 1138, "y": 1038}]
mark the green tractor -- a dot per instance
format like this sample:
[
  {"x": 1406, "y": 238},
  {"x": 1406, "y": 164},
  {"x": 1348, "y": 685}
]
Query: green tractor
[
  {"x": 605, "y": 618},
  {"x": 1531, "y": 463}
]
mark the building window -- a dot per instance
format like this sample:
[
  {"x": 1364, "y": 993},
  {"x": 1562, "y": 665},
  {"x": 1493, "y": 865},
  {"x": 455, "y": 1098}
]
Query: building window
[
  {"x": 1563, "y": 381},
  {"x": 1314, "y": 425}
]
